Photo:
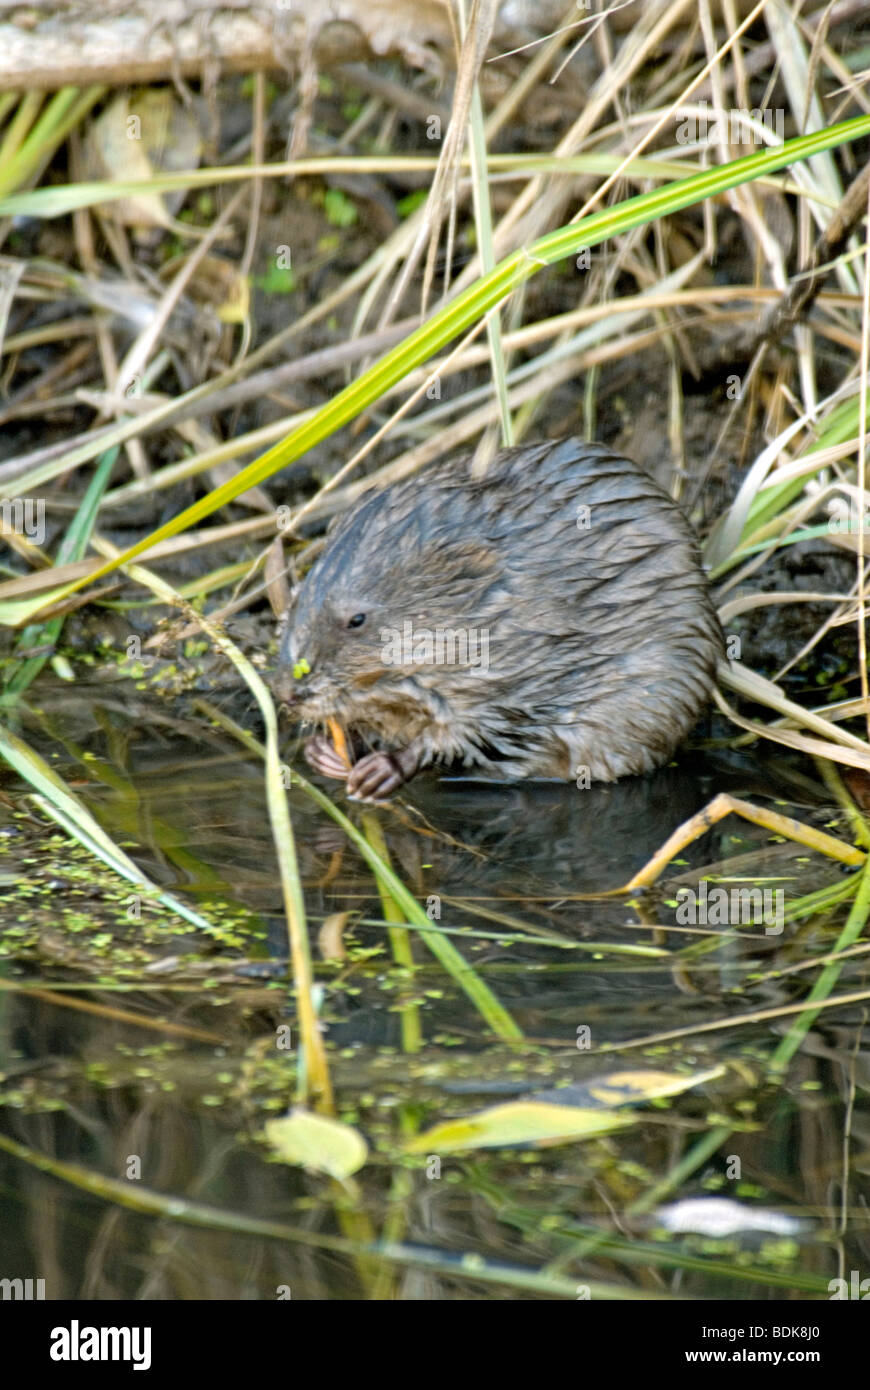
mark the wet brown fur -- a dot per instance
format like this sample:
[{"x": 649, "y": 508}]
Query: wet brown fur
[{"x": 602, "y": 638}]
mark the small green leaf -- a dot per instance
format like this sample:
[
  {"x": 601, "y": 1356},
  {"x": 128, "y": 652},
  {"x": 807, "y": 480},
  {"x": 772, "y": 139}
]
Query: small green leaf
[
  {"x": 301, "y": 669},
  {"x": 277, "y": 280},
  {"x": 339, "y": 209}
]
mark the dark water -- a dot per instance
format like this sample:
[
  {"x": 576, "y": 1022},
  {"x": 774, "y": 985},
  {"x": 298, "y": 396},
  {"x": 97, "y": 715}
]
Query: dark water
[{"x": 174, "y": 1120}]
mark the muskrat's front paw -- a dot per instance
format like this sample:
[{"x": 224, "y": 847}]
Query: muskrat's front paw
[
  {"x": 375, "y": 777},
  {"x": 320, "y": 754}
]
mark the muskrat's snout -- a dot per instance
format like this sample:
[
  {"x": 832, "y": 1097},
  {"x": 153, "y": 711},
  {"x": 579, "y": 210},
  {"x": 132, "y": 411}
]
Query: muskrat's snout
[
  {"x": 329, "y": 645},
  {"x": 304, "y": 676},
  {"x": 288, "y": 690},
  {"x": 291, "y": 677}
]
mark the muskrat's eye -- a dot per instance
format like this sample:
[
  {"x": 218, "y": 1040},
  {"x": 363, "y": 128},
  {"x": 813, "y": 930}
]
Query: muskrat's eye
[{"x": 357, "y": 620}]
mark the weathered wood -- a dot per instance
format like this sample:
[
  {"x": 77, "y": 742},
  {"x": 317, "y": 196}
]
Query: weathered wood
[{"x": 54, "y": 43}]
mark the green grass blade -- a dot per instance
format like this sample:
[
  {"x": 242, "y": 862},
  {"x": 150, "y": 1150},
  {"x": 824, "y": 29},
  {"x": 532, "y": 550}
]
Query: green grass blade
[{"x": 479, "y": 299}]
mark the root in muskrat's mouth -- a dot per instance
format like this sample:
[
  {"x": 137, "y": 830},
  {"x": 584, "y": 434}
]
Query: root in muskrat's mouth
[{"x": 339, "y": 741}]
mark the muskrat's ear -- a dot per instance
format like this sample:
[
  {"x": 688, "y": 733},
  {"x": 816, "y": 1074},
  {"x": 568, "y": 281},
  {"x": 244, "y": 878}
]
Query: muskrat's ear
[
  {"x": 448, "y": 574},
  {"x": 464, "y": 560}
]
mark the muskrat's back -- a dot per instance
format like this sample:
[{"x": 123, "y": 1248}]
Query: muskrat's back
[{"x": 550, "y": 619}]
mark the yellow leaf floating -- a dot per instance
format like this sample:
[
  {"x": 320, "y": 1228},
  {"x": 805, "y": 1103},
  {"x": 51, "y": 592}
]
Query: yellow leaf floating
[
  {"x": 579, "y": 1111},
  {"x": 518, "y": 1122},
  {"x": 317, "y": 1143}
]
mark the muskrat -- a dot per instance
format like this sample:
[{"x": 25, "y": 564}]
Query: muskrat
[{"x": 549, "y": 619}]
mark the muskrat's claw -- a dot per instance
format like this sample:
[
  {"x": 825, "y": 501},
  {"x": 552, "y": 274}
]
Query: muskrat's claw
[
  {"x": 375, "y": 777},
  {"x": 321, "y": 755}
]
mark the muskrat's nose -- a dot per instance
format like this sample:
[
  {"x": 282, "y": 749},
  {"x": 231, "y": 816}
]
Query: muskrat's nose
[
  {"x": 289, "y": 681},
  {"x": 287, "y": 689}
]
